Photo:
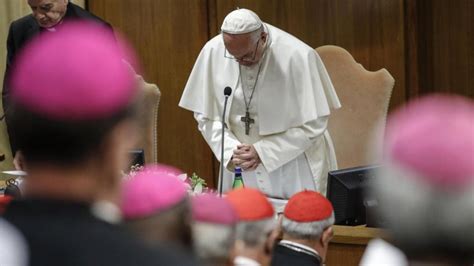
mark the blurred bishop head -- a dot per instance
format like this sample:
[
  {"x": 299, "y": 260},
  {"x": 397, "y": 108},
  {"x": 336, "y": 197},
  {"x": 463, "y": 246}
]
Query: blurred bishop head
[
  {"x": 426, "y": 186},
  {"x": 156, "y": 207},
  {"x": 69, "y": 90},
  {"x": 213, "y": 229},
  {"x": 256, "y": 221},
  {"x": 76, "y": 74},
  {"x": 151, "y": 191},
  {"x": 250, "y": 204}
]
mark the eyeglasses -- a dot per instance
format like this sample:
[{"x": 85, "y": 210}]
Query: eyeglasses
[{"x": 246, "y": 58}]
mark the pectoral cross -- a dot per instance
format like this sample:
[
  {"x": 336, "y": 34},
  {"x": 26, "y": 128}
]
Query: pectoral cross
[{"x": 247, "y": 120}]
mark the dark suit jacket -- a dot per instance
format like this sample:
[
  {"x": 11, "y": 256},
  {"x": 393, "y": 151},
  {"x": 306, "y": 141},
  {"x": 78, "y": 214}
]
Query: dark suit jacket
[
  {"x": 23, "y": 30},
  {"x": 283, "y": 256}
]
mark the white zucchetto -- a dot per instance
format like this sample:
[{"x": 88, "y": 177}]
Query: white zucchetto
[{"x": 241, "y": 21}]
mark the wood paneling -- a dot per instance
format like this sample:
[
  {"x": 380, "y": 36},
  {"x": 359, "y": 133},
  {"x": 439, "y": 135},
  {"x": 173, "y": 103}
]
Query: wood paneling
[
  {"x": 349, "y": 243},
  {"x": 445, "y": 46},
  {"x": 371, "y": 30},
  {"x": 167, "y": 36},
  {"x": 411, "y": 49},
  {"x": 344, "y": 254}
]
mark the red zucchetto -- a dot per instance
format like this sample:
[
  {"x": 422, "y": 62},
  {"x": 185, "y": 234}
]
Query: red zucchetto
[
  {"x": 308, "y": 206},
  {"x": 250, "y": 204}
]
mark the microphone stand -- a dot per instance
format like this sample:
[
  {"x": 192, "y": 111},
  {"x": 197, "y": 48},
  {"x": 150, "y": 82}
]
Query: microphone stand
[{"x": 227, "y": 92}]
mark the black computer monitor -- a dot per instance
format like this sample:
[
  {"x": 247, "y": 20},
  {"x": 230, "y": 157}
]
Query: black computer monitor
[{"x": 346, "y": 189}]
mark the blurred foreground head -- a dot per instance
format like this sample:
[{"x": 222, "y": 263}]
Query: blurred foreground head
[
  {"x": 156, "y": 207},
  {"x": 426, "y": 189},
  {"x": 254, "y": 238},
  {"x": 213, "y": 229},
  {"x": 72, "y": 102}
]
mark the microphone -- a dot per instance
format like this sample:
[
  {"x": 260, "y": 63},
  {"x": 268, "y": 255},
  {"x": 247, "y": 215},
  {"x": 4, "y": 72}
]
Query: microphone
[{"x": 227, "y": 93}]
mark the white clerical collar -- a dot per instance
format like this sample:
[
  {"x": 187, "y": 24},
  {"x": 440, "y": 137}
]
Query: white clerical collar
[
  {"x": 106, "y": 211},
  {"x": 244, "y": 261},
  {"x": 304, "y": 249},
  {"x": 53, "y": 28}
]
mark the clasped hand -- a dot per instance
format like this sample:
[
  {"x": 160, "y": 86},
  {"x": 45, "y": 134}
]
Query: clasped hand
[{"x": 246, "y": 157}]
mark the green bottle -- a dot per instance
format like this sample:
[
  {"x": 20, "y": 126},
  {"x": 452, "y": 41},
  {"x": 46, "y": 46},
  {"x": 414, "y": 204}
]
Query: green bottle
[{"x": 238, "y": 181}]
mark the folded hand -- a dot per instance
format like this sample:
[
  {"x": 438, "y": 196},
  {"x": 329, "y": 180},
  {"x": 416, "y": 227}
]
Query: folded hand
[{"x": 246, "y": 157}]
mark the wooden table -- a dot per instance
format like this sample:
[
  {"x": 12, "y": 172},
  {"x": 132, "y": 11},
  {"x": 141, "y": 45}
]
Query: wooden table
[{"x": 349, "y": 243}]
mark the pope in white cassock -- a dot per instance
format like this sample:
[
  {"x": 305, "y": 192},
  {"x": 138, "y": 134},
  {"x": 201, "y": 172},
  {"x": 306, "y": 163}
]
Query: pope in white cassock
[{"x": 279, "y": 109}]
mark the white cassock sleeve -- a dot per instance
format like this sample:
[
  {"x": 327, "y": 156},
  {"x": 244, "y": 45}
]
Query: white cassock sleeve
[
  {"x": 211, "y": 131},
  {"x": 278, "y": 149}
]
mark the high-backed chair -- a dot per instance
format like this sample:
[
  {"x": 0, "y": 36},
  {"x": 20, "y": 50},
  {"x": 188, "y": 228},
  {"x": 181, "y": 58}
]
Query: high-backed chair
[
  {"x": 364, "y": 97},
  {"x": 148, "y": 120}
]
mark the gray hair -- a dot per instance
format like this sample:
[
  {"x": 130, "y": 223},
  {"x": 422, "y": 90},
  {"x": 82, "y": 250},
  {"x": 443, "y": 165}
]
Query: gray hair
[
  {"x": 254, "y": 233},
  {"x": 309, "y": 230},
  {"x": 213, "y": 242},
  {"x": 172, "y": 225},
  {"x": 424, "y": 217}
]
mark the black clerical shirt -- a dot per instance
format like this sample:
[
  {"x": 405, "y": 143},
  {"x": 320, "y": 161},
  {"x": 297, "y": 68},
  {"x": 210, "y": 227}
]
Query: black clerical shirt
[{"x": 67, "y": 233}]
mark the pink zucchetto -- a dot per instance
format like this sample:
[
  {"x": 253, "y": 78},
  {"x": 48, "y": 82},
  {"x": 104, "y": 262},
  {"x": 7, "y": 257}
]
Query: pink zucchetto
[
  {"x": 434, "y": 137},
  {"x": 76, "y": 73},
  {"x": 150, "y": 192},
  {"x": 208, "y": 208}
]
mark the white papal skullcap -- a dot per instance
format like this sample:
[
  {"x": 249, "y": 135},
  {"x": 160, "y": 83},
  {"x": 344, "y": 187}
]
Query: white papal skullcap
[{"x": 241, "y": 21}]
